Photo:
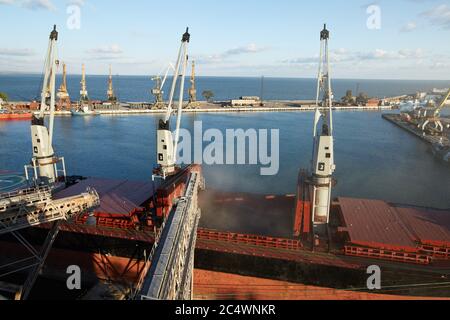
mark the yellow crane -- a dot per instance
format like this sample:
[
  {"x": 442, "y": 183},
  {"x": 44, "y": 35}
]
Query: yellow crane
[{"x": 192, "y": 90}]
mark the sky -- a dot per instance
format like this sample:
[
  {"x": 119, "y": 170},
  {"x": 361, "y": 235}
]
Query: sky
[{"x": 385, "y": 39}]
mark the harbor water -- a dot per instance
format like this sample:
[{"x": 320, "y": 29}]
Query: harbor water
[{"x": 375, "y": 159}]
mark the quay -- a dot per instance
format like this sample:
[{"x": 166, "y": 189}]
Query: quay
[{"x": 221, "y": 107}]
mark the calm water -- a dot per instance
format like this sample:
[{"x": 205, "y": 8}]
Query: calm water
[
  {"x": 374, "y": 158},
  {"x": 137, "y": 88}
]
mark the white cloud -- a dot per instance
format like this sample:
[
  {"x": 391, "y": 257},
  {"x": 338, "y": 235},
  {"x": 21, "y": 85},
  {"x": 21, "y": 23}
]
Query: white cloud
[
  {"x": 110, "y": 52},
  {"x": 39, "y": 4},
  {"x": 410, "y": 26},
  {"x": 439, "y": 16},
  {"x": 77, "y": 2},
  {"x": 16, "y": 52},
  {"x": 112, "y": 49},
  {"x": 344, "y": 55},
  {"x": 224, "y": 56},
  {"x": 31, "y": 4}
]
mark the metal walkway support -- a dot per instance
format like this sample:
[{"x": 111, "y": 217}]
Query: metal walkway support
[
  {"x": 31, "y": 207},
  {"x": 170, "y": 275}
]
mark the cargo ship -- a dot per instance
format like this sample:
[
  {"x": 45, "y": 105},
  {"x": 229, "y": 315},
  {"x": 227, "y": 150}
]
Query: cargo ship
[{"x": 125, "y": 245}]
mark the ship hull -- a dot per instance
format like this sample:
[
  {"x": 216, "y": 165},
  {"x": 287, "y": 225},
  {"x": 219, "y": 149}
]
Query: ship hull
[{"x": 15, "y": 116}]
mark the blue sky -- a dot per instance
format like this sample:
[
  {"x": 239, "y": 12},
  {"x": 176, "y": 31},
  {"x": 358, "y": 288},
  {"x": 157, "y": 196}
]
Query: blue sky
[{"x": 386, "y": 39}]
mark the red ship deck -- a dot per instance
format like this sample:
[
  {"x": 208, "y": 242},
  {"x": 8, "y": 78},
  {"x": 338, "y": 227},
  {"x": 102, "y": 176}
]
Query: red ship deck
[
  {"x": 117, "y": 197},
  {"x": 379, "y": 225}
]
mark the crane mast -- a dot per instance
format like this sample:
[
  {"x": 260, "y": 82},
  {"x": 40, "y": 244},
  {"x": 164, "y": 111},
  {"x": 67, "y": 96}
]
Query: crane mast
[
  {"x": 110, "y": 93},
  {"x": 63, "y": 94},
  {"x": 192, "y": 89},
  {"x": 323, "y": 165},
  {"x": 44, "y": 161},
  {"x": 167, "y": 144},
  {"x": 83, "y": 92}
]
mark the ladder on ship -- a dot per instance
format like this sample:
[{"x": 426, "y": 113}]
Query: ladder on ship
[
  {"x": 168, "y": 274},
  {"x": 30, "y": 207}
]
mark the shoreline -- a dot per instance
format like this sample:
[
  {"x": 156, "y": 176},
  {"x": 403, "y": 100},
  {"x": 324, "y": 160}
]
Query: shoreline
[
  {"x": 145, "y": 108},
  {"x": 219, "y": 110}
]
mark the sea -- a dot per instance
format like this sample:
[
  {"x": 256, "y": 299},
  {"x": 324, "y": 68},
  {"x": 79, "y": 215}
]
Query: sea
[{"x": 374, "y": 158}]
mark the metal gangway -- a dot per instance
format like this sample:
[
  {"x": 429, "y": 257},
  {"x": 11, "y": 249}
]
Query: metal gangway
[
  {"x": 34, "y": 206},
  {"x": 30, "y": 207},
  {"x": 169, "y": 268}
]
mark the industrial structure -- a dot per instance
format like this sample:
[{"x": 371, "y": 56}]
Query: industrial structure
[
  {"x": 110, "y": 92},
  {"x": 157, "y": 90},
  {"x": 167, "y": 144},
  {"x": 314, "y": 194},
  {"x": 192, "y": 90},
  {"x": 83, "y": 92},
  {"x": 63, "y": 95},
  {"x": 36, "y": 205}
]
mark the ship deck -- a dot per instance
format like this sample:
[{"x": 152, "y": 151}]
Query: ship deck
[
  {"x": 117, "y": 197},
  {"x": 380, "y": 225}
]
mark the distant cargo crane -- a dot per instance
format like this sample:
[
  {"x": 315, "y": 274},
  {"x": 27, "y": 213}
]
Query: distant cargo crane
[
  {"x": 157, "y": 90},
  {"x": 83, "y": 92},
  {"x": 167, "y": 144},
  {"x": 192, "y": 90},
  {"x": 63, "y": 94},
  {"x": 430, "y": 121},
  {"x": 110, "y": 93}
]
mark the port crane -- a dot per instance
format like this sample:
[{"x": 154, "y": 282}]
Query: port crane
[
  {"x": 312, "y": 213},
  {"x": 36, "y": 205},
  {"x": 168, "y": 270},
  {"x": 323, "y": 165},
  {"x": 110, "y": 92},
  {"x": 83, "y": 92},
  {"x": 159, "y": 85},
  {"x": 432, "y": 122},
  {"x": 193, "y": 90},
  {"x": 167, "y": 144},
  {"x": 63, "y": 94},
  {"x": 44, "y": 163}
]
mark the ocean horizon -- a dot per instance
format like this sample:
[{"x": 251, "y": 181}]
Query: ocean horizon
[{"x": 27, "y": 87}]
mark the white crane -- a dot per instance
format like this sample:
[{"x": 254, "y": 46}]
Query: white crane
[
  {"x": 44, "y": 162},
  {"x": 167, "y": 144},
  {"x": 323, "y": 165}
]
